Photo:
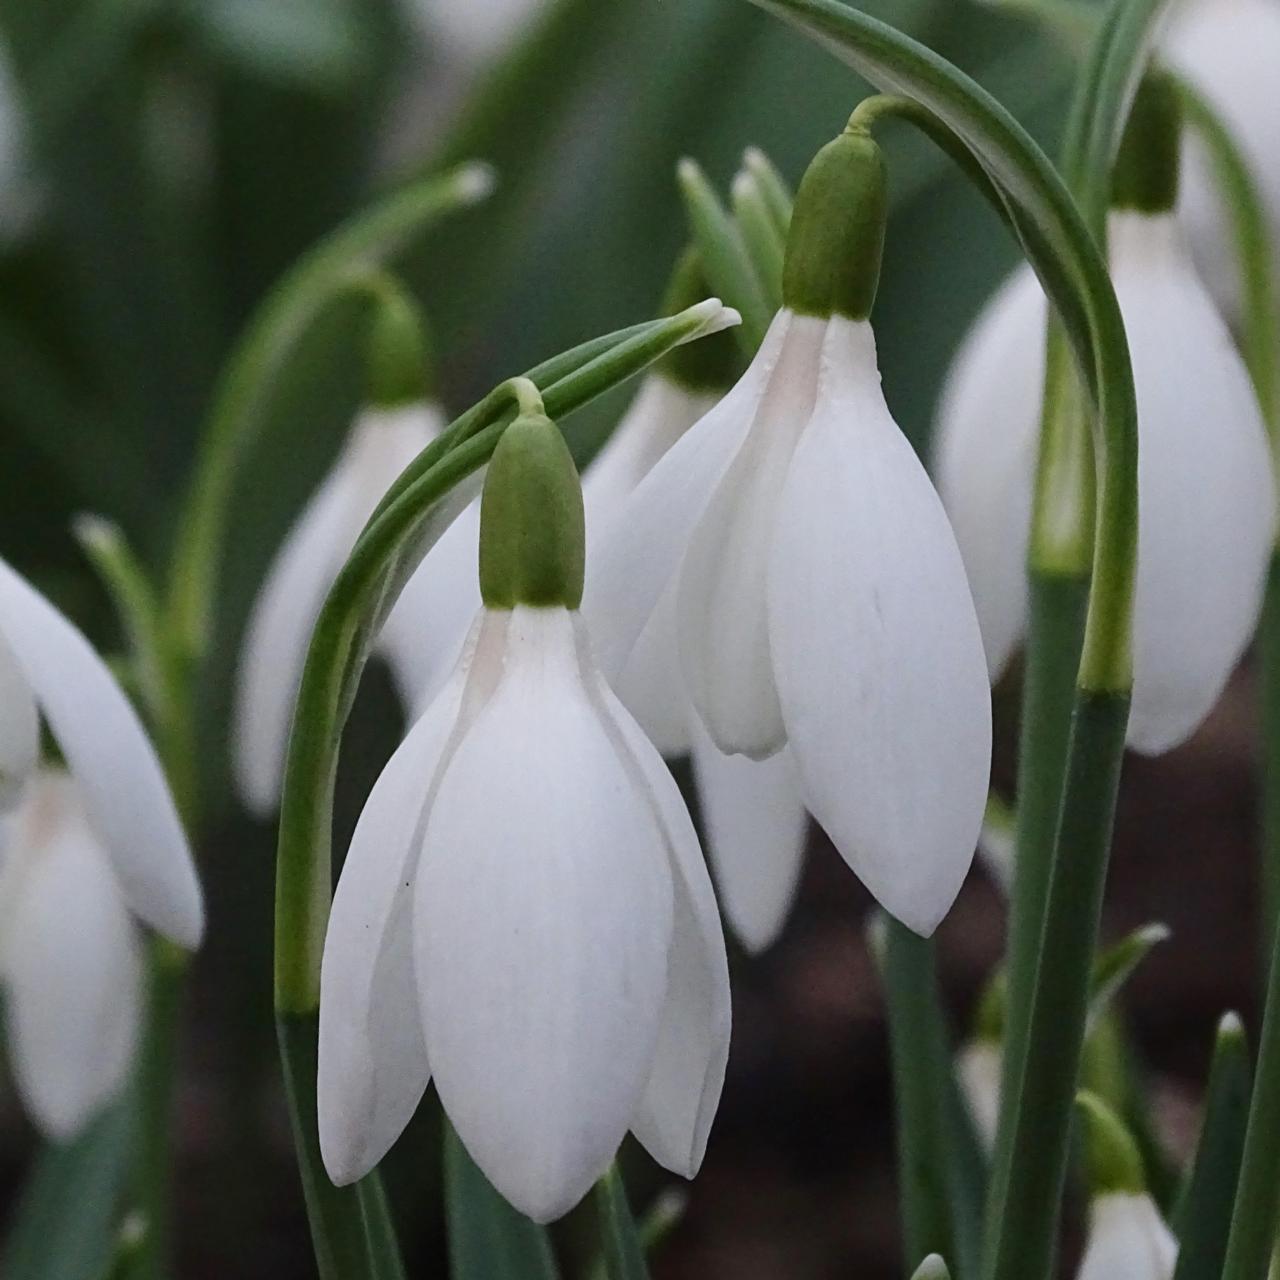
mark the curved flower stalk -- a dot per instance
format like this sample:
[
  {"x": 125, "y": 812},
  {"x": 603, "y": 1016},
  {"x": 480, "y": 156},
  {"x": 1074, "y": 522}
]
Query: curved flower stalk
[
  {"x": 820, "y": 601},
  {"x": 1207, "y": 497},
  {"x": 1229, "y": 49},
  {"x": 47, "y": 668},
  {"x": 70, "y": 959},
  {"x": 383, "y": 441},
  {"x": 524, "y": 914}
]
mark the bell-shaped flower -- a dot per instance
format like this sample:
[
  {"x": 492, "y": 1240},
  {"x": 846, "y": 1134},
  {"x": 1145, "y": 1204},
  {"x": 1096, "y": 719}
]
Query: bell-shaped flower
[
  {"x": 70, "y": 959},
  {"x": 524, "y": 915},
  {"x": 1206, "y": 494},
  {"x": 48, "y": 668},
  {"x": 383, "y": 441},
  {"x": 820, "y": 601},
  {"x": 1229, "y": 50}
]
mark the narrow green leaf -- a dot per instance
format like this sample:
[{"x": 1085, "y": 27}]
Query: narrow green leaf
[
  {"x": 64, "y": 1226},
  {"x": 1115, "y": 966},
  {"x": 488, "y": 1239},
  {"x": 261, "y": 358},
  {"x": 623, "y": 1248},
  {"x": 724, "y": 255},
  {"x": 765, "y": 243},
  {"x": 1203, "y": 1218}
]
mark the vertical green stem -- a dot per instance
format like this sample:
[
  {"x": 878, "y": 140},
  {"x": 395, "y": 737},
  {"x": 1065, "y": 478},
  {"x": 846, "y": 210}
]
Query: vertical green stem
[
  {"x": 623, "y": 1251},
  {"x": 1028, "y": 1195},
  {"x": 1269, "y": 675}
]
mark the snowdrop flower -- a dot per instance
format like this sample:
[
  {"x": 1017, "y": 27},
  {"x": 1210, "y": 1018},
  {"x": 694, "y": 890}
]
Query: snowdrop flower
[
  {"x": 475, "y": 30},
  {"x": 48, "y": 668},
  {"x": 1206, "y": 519},
  {"x": 820, "y": 601},
  {"x": 70, "y": 960},
  {"x": 1127, "y": 1236},
  {"x": 978, "y": 1068},
  {"x": 1229, "y": 50},
  {"x": 524, "y": 914}
]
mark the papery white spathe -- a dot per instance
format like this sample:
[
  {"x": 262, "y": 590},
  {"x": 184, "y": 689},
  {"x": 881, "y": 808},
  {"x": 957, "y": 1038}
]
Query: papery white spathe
[
  {"x": 1229, "y": 49},
  {"x": 754, "y": 818},
  {"x": 46, "y": 663},
  {"x": 70, "y": 960},
  {"x": 1206, "y": 517},
  {"x": 525, "y": 916},
  {"x": 1127, "y": 1238},
  {"x": 821, "y": 605},
  {"x": 381, "y": 444}
]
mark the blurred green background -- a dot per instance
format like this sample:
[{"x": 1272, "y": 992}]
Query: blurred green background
[{"x": 173, "y": 158}]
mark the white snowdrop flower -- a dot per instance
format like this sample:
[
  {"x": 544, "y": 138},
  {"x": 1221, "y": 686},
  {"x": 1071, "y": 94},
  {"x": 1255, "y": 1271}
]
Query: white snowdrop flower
[
  {"x": 70, "y": 960},
  {"x": 48, "y": 668},
  {"x": 1206, "y": 519},
  {"x": 524, "y": 914},
  {"x": 383, "y": 441},
  {"x": 821, "y": 604},
  {"x": 474, "y": 30},
  {"x": 1229, "y": 50},
  {"x": 978, "y": 1067},
  {"x": 1126, "y": 1236}
]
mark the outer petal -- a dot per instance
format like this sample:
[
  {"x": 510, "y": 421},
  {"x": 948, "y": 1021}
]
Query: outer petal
[
  {"x": 756, "y": 826},
  {"x": 373, "y": 1064},
  {"x": 632, "y": 565},
  {"x": 878, "y": 655},
  {"x": 380, "y": 446},
  {"x": 683, "y": 1092},
  {"x": 73, "y": 971},
  {"x": 651, "y": 685},
  {"x": 542, "y": 929},
  {"x": 19, "y": 728},
  {"x": 721, "y": 614},
  {"x": 985, "y": 445},
  {"x": 1207, "y": 497},
  {"x": 124, "y": 790},
  {"x": 1127, "y": 1237}
]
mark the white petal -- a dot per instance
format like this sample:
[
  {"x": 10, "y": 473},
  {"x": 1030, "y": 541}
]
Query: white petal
[
  {"x": 1229, "y": 49},
  {"x": 721, "y": 614},
  {"x": 633, "y": 563},
  {"x": 373, "y": 1065},
  {"x": 380, "y": 446},
  {"x": 543, "y": 918},
  {"x": 73, "y": 981},
  {"x": 1127, "y": 1238},
  {"x": 683, "y": 1092},
  {"x": 756, "y": 827},
  {"x": 19, "y": 728},
  {"x": 985, "y": 444},
  {"x": 878, "y": 655},
  {"x": 114, "y": 764},
  {"x": 1206, "y": 495},
  {"x": 978, "y": 1067},
  {"x": 651, "y": 685}
]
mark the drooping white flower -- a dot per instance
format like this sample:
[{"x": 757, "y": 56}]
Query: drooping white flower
[
  {"x": 978, "y": 1068},
  {"x": 1127, "y": 1237},
  {"x": 524, "y": 914},
  {"x": 381, "y": 444},
  {"x": 1206, "y": 494},
  {"x": 70, "y": 960},
  {"x": 821, "y": 603},
  {"x": 1229, "y": 49},
  {"x": 46, "y": 663},
  {"x": 753, "y": 815}
]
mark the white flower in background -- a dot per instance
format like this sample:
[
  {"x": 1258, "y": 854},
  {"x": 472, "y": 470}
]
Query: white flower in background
[
  {"x": 70, "y": 960},
  {"x": 381, "y": 444},
  {"x": 754, "y": 817},
  {"x": 474, "y": 30},
  {"x": 1127, "y": 1238},
  {"x": 524, "y": 914},
  {"x": 978, "y": 1067},
  {"x": 1230, "y": 50},
  {"x": 48, "y": 668},
  {"x": 820, "y": 602},
  {"x": 1206, "y": 494}
]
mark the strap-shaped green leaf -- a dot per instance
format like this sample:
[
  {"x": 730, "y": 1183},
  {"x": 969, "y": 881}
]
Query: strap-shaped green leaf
[{"x": 622, "y": 1246}]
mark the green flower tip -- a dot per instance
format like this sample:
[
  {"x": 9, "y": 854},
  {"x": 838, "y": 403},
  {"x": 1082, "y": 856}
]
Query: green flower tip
[
  {"x": 1112, "y": 1157},
  {"x": 1145, "y": 177},
  {"x": 532, "y": 534},
  {"x": 711, "y": 363},
  {"x": 836, "y": 239},
  {"x": 932, "y": 1268},
  {"x": 1231, "y": 1032},
  {"x": 399, "y": 358},
  {"x": 989, "y": 1020}
]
